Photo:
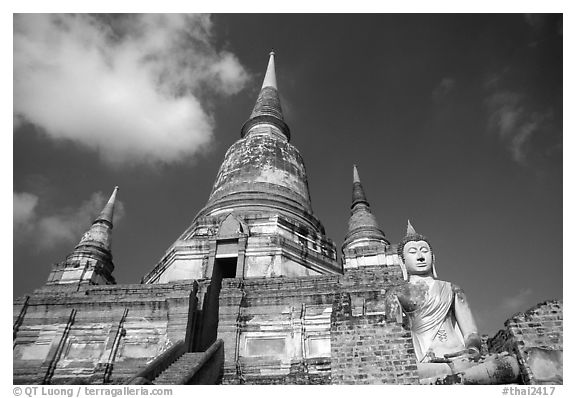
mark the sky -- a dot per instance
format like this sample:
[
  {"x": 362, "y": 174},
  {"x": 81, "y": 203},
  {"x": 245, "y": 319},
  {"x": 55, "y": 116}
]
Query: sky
[{"x": 454, "y": 121}]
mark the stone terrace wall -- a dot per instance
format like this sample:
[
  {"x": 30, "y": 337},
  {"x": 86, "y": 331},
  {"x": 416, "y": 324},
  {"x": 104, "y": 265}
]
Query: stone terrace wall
[
  {"x": 367, "y": 287},
  {"x": 300, "y": 339},
  {"x": 535, "y": 337},
  {"x": 276, "y": 330},
  {"x": 367, "y": 349},
  {"x": 96, "y": 334}
]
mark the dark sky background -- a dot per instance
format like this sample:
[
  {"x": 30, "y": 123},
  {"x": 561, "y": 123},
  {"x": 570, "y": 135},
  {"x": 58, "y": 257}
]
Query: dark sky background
[{"x": 454, "y": 121}]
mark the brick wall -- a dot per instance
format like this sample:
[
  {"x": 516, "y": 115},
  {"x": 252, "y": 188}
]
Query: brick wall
[
  {"x": 535, "y": 337},
  {"x": 367, "y": 349}
]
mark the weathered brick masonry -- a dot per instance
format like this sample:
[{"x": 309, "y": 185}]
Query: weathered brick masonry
[
  {"x": 97, "y": 334},
  {"x": 312, "y": 337},
  {"x": 105, "y": 334},
  {"x": 535, "y": 336},
  {"x": 366, "y": 349}
]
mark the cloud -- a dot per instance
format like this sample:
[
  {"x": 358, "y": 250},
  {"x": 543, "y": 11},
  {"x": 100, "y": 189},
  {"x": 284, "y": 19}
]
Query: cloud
[
  {"x": 134, "y": 88},
  {"x": 505, "y": 112},
  {"x": 518, "y": 302},
  {"x": 66, "y": 226},
  {"x": 543, "y": 27},
  {"x": 443, "y": 88},
  {"x": 24, "y": 210},
  {"x": 536, "y": 21},
  {"x": 513, "y": 123}
]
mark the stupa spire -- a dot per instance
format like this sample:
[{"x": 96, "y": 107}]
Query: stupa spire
[
  {"x": 355, "y": 175},
  {"x": 362, "y": 225},
  {"x": 100, "y": 233},
  {"x": 107, "y": 213},
  {"x": 270, "y": 77},
  {"x": 267, "y": 110},
  {"x": 358, "y": 195}
]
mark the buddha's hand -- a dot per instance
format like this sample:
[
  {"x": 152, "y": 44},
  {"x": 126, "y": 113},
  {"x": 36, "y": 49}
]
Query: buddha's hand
[
  {"x": 473, "y": 345},
  {"x": 472, "y": 354}
]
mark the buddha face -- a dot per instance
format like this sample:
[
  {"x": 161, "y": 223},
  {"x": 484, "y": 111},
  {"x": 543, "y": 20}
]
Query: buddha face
[{"x": 418, "y": 258}]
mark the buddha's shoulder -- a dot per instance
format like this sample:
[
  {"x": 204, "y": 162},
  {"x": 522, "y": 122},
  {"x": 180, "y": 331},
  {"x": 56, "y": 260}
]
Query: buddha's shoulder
[
  {"x": 457, "y": 291},
  {"x": 420, "y": 288},
  {"x": 411, "y": 295}
]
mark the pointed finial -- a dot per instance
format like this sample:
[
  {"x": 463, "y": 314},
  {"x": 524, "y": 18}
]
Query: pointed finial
[
  {"x": 358, "y": 195},
  {"x": 270, "y": 77},
  {"x": 107, "y": 213},
  {"x": 267, "y": 108},
  {"x": 356, "y": 176},
  {"x": 410, "y": 229}
]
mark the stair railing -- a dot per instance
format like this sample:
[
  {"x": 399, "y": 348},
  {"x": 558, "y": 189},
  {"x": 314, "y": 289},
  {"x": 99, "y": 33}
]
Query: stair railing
[
  {"x": 159, "y": 364},
  {"x": 201, "y": 374}
]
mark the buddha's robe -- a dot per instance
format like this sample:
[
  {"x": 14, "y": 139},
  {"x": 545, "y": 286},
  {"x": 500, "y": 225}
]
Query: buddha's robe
[{"x": 427, "y": 319}]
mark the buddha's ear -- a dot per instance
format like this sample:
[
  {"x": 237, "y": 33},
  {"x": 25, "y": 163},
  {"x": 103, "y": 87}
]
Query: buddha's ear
[
  {"x": 403, "y": 268},
  {"x": 433, "y": 267}
]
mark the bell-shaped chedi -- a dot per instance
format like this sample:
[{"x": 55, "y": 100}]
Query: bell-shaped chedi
[
  {"x": 365, "y": 243},
  {"x": 363, "y": 228},
  {"x": 263, "y": 172},
  {"x": 262, "y": 181},
  {"x": 91, "y": 260}
]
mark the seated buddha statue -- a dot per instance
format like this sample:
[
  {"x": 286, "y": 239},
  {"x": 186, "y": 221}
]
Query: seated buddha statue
[{"x": 444, "y": 333}]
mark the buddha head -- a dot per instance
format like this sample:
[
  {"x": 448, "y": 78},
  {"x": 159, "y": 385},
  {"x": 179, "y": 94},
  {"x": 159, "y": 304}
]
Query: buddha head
[{"x": 416, "y": 254}]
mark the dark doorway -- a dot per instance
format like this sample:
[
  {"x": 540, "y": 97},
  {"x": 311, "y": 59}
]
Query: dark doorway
[
  {"x": 227, "y": 266},
  {"x": 223, "y": 268}
]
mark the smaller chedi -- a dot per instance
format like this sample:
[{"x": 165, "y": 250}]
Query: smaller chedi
[{"x": 445, "y": 336}]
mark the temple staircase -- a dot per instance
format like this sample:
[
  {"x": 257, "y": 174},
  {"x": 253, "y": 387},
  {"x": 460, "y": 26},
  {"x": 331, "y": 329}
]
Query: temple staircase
[
  {"x": 181, "y": 370},
  {"x": 178, "y": 367}
]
